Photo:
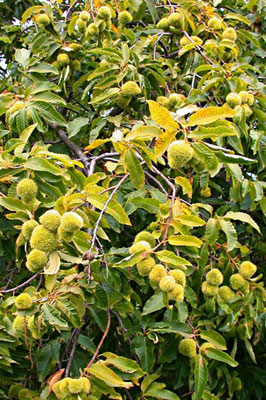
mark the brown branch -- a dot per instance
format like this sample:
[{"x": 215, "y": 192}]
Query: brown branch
[
  {"x": 101, "y": 341},
  {"x": 75, "y": 149},
  {"x": 169, "y": 217},
  {"x": 75, "y": 342},
  {"x": 157, "y": 182},
  {"x": 20, "y": 286}
]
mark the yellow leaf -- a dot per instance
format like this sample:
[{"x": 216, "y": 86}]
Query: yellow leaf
[
  {"x": 210, "y": 114},
  {"x": 144, "y": 133},
  {"x": 163, "y": 142},
  {"x": 185, "y": 240},
  {"x": 97, "y": 143},
  {"x": 162, "y": 117},
  {"x": 101, "y": 371},
  {"x": 185, "y": 184}
]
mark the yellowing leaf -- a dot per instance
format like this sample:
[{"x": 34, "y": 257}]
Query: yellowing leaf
[
  {"x": 162, "y": 117},
  {"x": 104, "y": 373},
  {"x": 210, "y": 114},
  {"x": 171, "y": 258},
  {"x": 53, "y": 264},
  {"x": 144, "y": 133},
  {"x": 96, "y": 143},
  {"x": 243, "y": 217},
  {"x": 114, "y": 208},
  {"x": 191, "y": 220},
  {"x": 185, "y": 184},
  {"x": 163, "y": 142},
  {"x": 185, "y": 240},
  {"x": 220, "y": 129}
]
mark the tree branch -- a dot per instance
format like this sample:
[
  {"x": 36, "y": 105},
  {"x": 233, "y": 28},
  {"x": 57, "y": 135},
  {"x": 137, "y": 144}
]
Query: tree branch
[
  {"x": 103, "y": 210},
  {"x": 21, "y": 285},
  {"x": 75, "y": 149},
  {"x": 101, "y": 341},
  {"x": 75, "y": 342}
]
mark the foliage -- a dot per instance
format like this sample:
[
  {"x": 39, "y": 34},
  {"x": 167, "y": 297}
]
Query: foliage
[{"x": 124, "y": 275}]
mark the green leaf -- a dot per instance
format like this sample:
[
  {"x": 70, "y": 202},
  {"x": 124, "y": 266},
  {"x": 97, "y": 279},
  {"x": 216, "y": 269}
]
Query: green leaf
[
  {"x": 152, "y": 10},
  {"x": 215, "y": 130},
  {"x": 129, "y": 261},
  {"x": 162, "y": 117},
  {"x": 135, "y": 169},
  {"x": 49, "y": 113},
  {"x": 212, "y": 231},
  {"x": 250, "y": 351},
  {"x": 214, "y": 338},
  {"x": 233, "y": 158},
  {"x": 49, "y": 97},
  {"x": 12, "y": 204},
  {"x": 207, "y": 395},
  {"x": 122, "y": 363},
  {"x": 243, "y": 217},
  {"x": 44, "y": 362},
  {"x": 154, "y": 303},
  {"x": 22, "y": 56},
  {"x": 210, "y": 114},
  {"x": 148, "y": 380},
  {"x": 171, "y": 327},
  {"x": 157, "y": 390},
  {"x": 105, "y": 95},
  {"x": 238, "y": 17},
  {"x": 201, "y": 376},
  {"x": 219, "y": 355},
  {"x": 25, "y": 135},
  {"x": 53, "y": 317},
  {"x": 150, "y": 205},
  {"x": 249, "y": 36},
  {"x": 41, "y": 164},
  {"x": 185, "y": 240},
  {"x": 74, "y": 127},
  {"x": 106, "y": 52},
  {"x": 208, "y": 156},
  {"x": 114, "y": 208},
  {"x": 44, "y": 68},
  {"x": 190, "y": 220},
  {"x": 145, "y": 351},
  {"x": 171, "y": 258},
  {"x": 104, "y": 373},
  {"x": 230, "y": 233}
]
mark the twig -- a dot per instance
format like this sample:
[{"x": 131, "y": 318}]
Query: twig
[
  {"x": 80, "y": 104},
  {"x": 21, "y": 285},
  {"x": 157, "y": 182},
  {"x": 39, "y": 284},
  {"x": 75, "y": 342},
  {"x": 67, "y": 346},
  {"x": 101, "y": 341},
  {"x": 97, "y": 158},
  {"x": 75, "y": 149},
  {"x": 170, "y": 216},
  {"x": 170, "y": 184},
  {"x": 199, "y": 49},
  {"x": 103, "y": 210},
  {"x": 104, "y": 258}
]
